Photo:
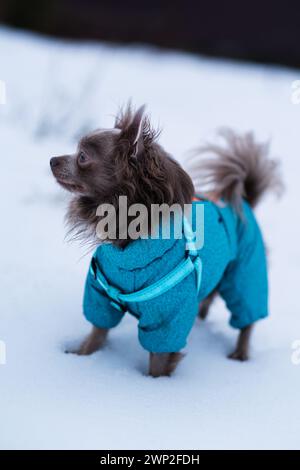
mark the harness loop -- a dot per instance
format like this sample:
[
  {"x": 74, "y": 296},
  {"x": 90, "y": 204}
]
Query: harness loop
[{"x": 181, "y": 271}]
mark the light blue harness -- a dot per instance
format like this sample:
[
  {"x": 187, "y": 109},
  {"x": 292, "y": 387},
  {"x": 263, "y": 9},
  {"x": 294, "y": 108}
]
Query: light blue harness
[
  {"x": 232, "y": 260},
  {"x": 192, "y": 262}
]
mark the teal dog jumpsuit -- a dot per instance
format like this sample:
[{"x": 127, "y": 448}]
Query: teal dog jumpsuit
[{"x": 232, "y": 258}]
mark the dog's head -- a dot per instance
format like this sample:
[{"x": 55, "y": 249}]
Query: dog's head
[
  {"x": 123, "y": 161},
  {"x": 94, "y": 169}
]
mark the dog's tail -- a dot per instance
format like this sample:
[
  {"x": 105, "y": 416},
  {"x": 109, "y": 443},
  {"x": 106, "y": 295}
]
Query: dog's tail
[{"x": 240, "y": 169}]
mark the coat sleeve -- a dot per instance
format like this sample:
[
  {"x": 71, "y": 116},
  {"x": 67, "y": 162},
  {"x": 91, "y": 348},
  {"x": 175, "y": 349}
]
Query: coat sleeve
[
  {"x": 244, "y": 286},
  {"x": 174, "y": 312},
  {"x": 97, "y": 306}
]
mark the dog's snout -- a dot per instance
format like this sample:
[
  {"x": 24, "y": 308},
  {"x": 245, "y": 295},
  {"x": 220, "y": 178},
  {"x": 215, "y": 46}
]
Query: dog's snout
[{"x": 54, "y": 162}]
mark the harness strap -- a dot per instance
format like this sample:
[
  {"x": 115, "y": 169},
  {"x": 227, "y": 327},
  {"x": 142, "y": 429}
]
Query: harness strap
[{"x": 167, "y": 282}]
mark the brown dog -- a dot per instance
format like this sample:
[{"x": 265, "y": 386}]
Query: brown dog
[{"x": 127, "y": 160}]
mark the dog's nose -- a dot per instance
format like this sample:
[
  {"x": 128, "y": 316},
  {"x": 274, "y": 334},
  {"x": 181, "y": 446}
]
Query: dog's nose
[{"x": 54, "y": 161}]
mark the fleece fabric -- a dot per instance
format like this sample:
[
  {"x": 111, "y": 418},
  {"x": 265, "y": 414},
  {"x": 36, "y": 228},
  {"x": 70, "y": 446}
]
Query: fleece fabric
[{"x": 233, "y": 259}]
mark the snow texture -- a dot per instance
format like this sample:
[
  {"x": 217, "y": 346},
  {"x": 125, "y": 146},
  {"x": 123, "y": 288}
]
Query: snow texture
[{"x": 55, "y": 91}]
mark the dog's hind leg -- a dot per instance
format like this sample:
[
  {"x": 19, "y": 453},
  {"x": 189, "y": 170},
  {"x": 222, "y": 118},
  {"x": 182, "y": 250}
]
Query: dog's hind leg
[
  {"x": 206, "y": 304},
  {"x": 92, "y": 343},
  {"x": 241, "y": 352},
  {"x": 163, "y": 364}
]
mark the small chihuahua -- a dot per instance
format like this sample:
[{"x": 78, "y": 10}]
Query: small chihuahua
[{"x": 128, "y": 161}]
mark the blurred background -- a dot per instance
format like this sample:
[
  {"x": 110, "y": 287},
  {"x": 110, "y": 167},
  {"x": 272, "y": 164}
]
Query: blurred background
[{"x": 260, "y": 30}]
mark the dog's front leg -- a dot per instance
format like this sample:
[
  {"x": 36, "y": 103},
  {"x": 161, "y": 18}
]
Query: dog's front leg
[
  {"x": 241, "y": 352},
  {"x": 92, "y": 343},
  {"x": 163, "y": 364}
]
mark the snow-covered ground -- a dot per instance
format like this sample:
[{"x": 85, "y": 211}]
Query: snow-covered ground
[{"x": 55, "y": 91}]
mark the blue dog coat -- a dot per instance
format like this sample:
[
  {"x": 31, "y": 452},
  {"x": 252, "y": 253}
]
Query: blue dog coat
[{"x": 233, "y": 260}]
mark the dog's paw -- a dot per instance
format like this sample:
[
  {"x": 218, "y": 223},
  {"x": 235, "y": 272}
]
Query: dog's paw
[
  {"x": 77, "y": 351},
  {"x": 239, "y": 355},
  {"x": 83, "y": 350},
  {"x": 92, "y": 343},
  {"x": 88, "y": 347},
  {"x": 72, "y": 347}
]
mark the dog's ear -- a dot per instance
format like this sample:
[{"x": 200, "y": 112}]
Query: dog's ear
[{"x": 132, "y": 129}]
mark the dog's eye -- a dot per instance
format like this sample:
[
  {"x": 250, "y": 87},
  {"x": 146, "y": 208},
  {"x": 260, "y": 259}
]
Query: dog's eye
[{"x": 82, "y": 158}]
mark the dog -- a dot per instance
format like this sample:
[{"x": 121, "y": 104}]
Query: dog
[{"x": 127, "y": 160}]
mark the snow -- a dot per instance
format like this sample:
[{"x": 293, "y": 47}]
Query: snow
[{"x": 55, "y": 92}]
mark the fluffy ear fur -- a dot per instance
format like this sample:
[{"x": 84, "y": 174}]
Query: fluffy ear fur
[
  {"x": 149, "y": 177},
  {"x": 131, "y": 126}
]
